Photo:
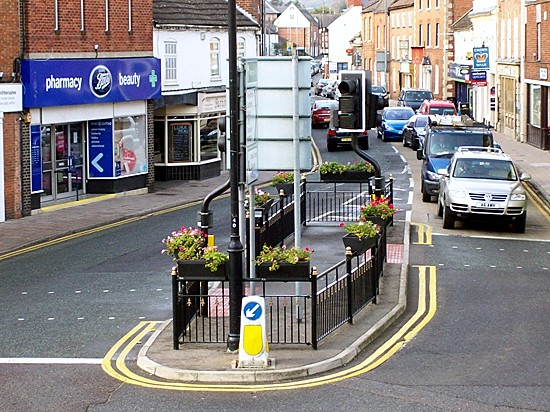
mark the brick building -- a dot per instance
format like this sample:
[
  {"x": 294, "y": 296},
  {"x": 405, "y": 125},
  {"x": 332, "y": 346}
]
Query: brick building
[{"x": 89, "y": 76}]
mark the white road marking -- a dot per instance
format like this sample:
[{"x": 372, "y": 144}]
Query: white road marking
[{"x": 51, "y": 361}]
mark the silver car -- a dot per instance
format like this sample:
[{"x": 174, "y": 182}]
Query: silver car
[{"x": 482, "y": 184}]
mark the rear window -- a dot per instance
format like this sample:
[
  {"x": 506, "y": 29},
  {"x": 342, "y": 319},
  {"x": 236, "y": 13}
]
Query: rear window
[
  {"x": 327, "y": 105},
  {"x": 418, "y": 95},
  {"x": 421, "y": 122},
  {"x": 450, "y": 142},
  {"x": 399, "y": 114},
  {"x": 441, "y": 110}
]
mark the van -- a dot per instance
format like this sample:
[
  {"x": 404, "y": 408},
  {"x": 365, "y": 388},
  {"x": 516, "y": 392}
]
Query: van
[
  {"x": 444, "y": 135},
  {"x": 413, "y": 98},
  {"x": 442, "y": 107}
]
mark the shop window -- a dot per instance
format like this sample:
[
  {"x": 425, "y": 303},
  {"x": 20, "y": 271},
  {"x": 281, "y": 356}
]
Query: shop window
[
  {"x": 209, "y": 138},
  {"x": 534, "y": 104},
  {"x": 241, "y": 47},
  {"x": 130, "y": 145},
  {"x": 180, "y": 142}
]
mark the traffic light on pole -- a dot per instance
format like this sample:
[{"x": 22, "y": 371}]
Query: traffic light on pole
[{"x": 351, "y": 112}]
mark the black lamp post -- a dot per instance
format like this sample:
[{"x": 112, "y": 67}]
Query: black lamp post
[{"x": 235, "y": 248}]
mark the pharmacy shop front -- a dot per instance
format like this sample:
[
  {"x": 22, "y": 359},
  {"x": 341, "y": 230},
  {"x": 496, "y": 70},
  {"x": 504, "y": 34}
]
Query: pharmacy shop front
[{"x": 88, "y": 126}]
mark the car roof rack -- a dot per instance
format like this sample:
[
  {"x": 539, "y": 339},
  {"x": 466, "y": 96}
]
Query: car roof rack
[
  {"x": 479, "y": 149},
  {"x": 454, "y": 121}
]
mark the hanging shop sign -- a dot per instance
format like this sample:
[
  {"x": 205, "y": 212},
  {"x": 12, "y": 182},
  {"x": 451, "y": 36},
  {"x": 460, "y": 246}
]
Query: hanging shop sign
[
  {"x": 59, "y": 82},
  {"x": 478, "y": 78},
  {"x": 481, "y": 57}
]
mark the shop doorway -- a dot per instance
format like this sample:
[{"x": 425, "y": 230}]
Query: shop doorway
[{"x": 62, "y": 161}]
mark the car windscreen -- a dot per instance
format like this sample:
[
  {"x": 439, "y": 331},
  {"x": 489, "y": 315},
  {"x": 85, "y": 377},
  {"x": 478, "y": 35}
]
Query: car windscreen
[
  {"x": 378, "y": 89},
  {"x": 490, "y": 169},
  {"x": 448, "y": 143},
  {"x": 327, "y": 105},
  {"x": 421, "y": 122},
  {"x": 441, "y": 110},
  {"x": 418, "y": 96}
]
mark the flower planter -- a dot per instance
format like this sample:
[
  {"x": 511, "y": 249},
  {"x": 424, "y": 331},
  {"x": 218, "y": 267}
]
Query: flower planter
[
  {"x": 196, "y": 270},
  {"x": 352, "y": 176},
  {"x": 261, "y": 212},
  {"x": 378, "y": 220},
  {"x": 287, "y": 188},
  {"x": 359, "y": 245},
  {"x": 285, "y": 272}
]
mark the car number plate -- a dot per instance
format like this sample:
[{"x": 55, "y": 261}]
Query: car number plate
[
  {"x": 488, "y": 205},
  {"x": 346, "y": 139}
]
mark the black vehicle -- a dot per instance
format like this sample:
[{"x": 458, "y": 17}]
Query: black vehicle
[
  {"x": 414, "y": 131},
  {"x": 383, "y": 96},
  {"x": 444, "y": 135},
  {"x": 338, "y": 138},
  {"x": 413, "y": 98}
]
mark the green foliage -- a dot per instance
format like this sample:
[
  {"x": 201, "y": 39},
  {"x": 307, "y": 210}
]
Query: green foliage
[
  {"x": 362, "y": 228},
  {"x": 190, "y": 244},
  {"x": 339, "y": 168},
  {"x": 378, "y": 206},
  {"x": 282, "y": 177},
  {"x": 279, "y": 254}
]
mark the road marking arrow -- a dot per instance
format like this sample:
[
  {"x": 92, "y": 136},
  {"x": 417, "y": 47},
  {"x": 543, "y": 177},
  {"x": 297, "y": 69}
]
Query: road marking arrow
[{"x": 95, "y": 162}]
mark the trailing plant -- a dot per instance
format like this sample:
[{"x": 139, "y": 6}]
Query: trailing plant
[{"x": 275, "y": 255}]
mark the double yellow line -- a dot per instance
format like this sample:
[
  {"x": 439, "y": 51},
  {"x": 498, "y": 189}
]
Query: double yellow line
[{"x": 115, "y": 365}]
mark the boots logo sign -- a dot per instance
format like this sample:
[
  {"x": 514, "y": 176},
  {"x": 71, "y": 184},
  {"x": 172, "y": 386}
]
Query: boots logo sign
[{"x": 101, "y": 81}]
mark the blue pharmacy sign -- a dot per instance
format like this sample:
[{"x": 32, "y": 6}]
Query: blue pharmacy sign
[
  {"x": 36, "y": 160},
  {"x": 481, "y": 57},
  {"x": 60, "y": 82},
  {"x": 100, "y": 148}
]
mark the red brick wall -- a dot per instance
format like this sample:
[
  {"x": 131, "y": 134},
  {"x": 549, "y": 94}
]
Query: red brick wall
[
  {"x": 253, "y": 7},
  {"x": 9, "y": 50},
  {"x": 533, "y": 62},
  {"x": 43, "y": 38}
]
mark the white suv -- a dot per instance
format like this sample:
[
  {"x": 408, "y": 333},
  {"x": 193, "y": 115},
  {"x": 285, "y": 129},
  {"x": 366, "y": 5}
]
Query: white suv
[{"x": 482, "y": 183}]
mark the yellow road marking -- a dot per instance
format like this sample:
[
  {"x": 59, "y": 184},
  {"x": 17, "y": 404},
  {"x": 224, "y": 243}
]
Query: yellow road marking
[
  {"x": 539, "y": 204},
  {"x": 424, "y": 234},
  {"x": 378, "y": 357},
  {"x": 93, "y": 230}
]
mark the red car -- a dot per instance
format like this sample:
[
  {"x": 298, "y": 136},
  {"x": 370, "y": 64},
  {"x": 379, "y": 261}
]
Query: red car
[{"x": 320, "y": 112}]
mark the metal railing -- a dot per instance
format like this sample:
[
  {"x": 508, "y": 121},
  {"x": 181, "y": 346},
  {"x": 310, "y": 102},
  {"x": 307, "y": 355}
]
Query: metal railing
[{"x": 332, "y": 298}]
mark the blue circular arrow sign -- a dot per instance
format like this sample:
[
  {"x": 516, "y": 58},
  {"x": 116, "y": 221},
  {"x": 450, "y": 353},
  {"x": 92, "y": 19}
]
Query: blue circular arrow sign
[{"x": 252, "y": 310}]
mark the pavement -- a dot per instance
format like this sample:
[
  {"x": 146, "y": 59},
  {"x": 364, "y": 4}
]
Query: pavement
[{"x": 212, "y": 362}]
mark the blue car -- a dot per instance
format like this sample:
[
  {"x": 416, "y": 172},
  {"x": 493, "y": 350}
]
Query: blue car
[{"x": 392, "y": 122}]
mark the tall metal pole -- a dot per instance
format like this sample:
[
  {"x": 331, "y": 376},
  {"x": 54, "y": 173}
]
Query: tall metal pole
[{"x": 235, "y": 248}]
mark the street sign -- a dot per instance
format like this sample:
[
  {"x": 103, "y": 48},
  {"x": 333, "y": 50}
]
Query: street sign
[{"x": 253, "y": 347}]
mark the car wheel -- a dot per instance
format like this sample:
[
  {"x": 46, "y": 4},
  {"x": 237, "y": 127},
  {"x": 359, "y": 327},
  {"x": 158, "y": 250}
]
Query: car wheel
[
  {"x": 448, "y": 219},
  {"x": 519, "y": 225},
  {"x": 405, "y": 144},
  {"x": 331, "y": 147},
  {"x": 364, "y": 145},
  {"x": 378, "y": 134},
  {"x": 439, "y": 207}
]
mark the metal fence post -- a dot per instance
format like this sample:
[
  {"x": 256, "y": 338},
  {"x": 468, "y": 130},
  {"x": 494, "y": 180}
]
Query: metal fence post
[
  {"x": 349, "y": 257},
  {"x": 313, "y": 294},
  {"x": 176, "y": 315}
]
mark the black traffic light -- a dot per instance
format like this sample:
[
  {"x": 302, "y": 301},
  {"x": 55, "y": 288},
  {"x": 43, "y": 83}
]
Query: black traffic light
[{"x": 351, "y": 112}]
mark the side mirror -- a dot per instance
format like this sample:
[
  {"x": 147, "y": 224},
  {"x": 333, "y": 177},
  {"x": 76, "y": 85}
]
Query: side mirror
[{"x": 525, "y": 177}]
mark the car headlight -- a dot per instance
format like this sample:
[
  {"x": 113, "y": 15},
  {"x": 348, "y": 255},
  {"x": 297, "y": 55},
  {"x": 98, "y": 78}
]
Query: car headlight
[
  {"x": 518, "y": 196},
  {"x": 432, "y": 176},
  {"x": 457, "y": 194},
  {"x": 388, "y": 127}
]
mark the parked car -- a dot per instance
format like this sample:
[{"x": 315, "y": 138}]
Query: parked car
[
  {"x": 329, "y": 91},
  {"x": 414, "y": 131},
  {"x": 482, "y": 184},
  {"x": 392, "y": 122},
  {"x": 338, "y": 138},
  {"x": 442, "y": 107},
  {"x": 383, "y": 95},
  {"x": 319, "y": 86},
  {"x": 444, "y": 135},
  {"x": 320, "y": 112},
  {"x": 413, "y": 98}
]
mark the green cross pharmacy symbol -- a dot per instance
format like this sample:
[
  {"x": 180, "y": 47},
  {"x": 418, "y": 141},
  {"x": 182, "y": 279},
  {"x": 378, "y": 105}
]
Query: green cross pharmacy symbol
[{"x": 153, "y": 78}]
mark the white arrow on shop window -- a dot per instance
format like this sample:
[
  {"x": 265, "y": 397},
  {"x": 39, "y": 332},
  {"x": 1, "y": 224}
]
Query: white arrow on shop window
[
  {"x": 95, "y": 164},
  {"x": 251, "y": 312}
]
